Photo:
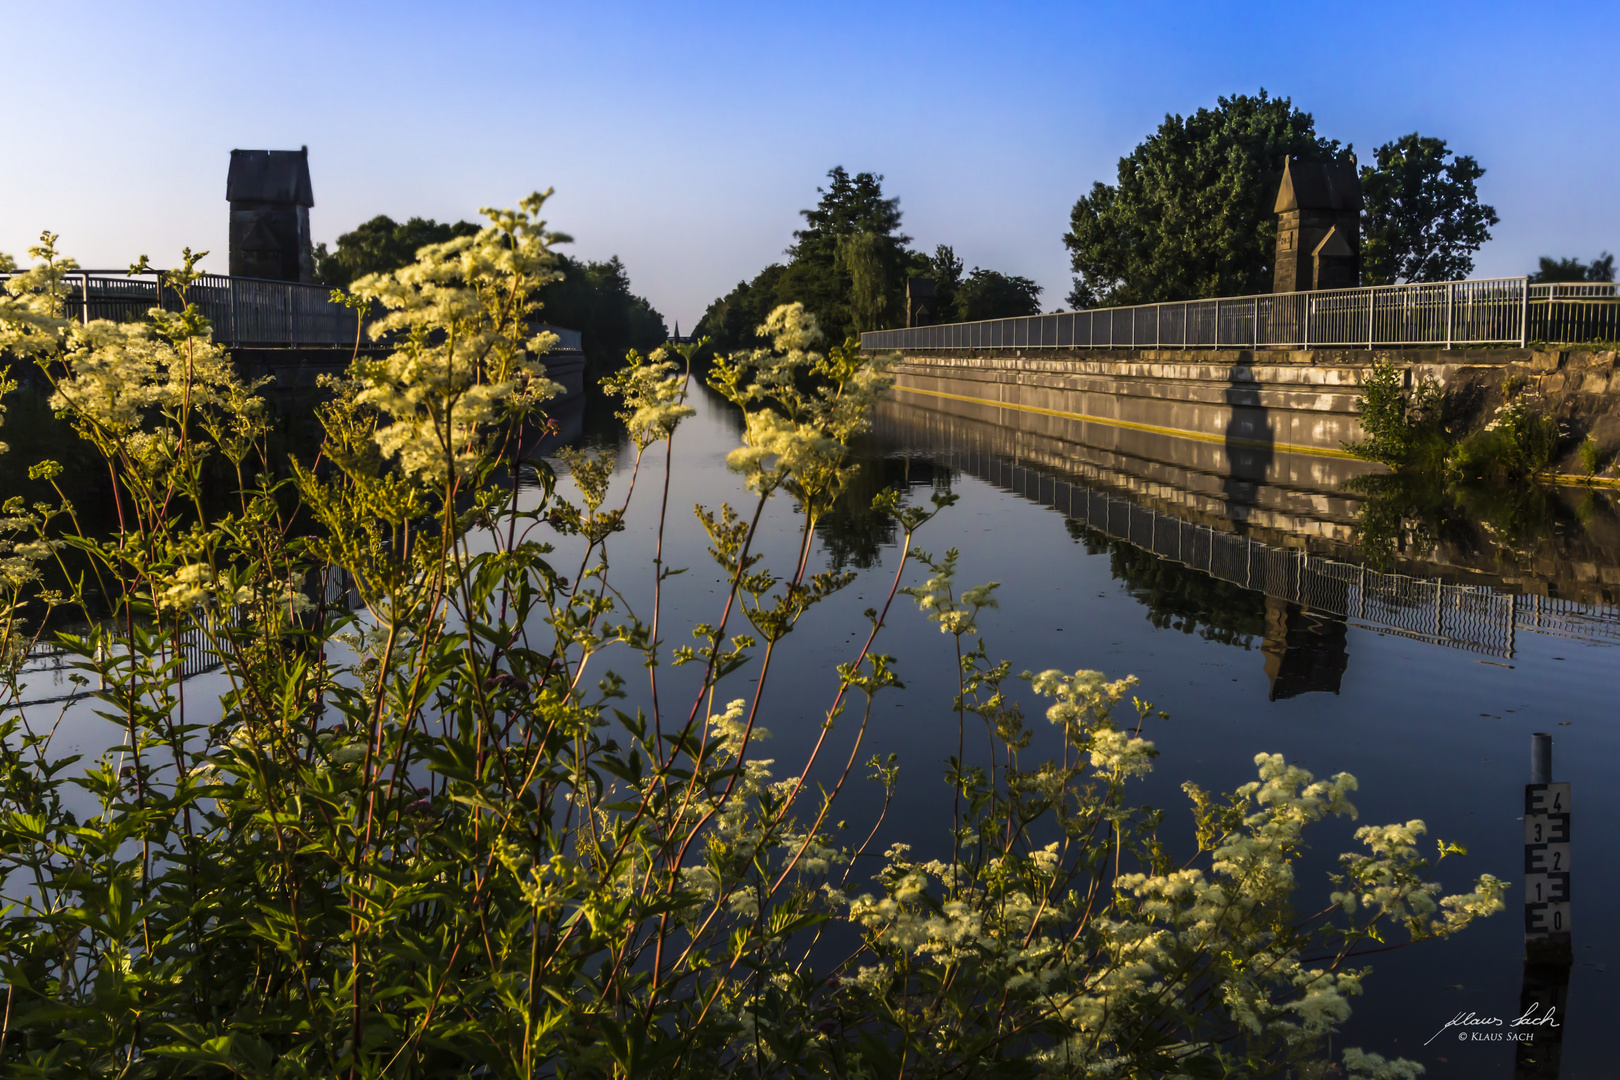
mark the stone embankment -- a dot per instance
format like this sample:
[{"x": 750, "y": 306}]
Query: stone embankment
[{"x": 1280, "y": 403}]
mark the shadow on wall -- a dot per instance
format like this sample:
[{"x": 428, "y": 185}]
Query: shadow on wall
[{"x": 1249, "y": 443}]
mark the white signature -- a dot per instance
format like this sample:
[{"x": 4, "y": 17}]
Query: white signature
[{"x": 1474, "y": 1020}]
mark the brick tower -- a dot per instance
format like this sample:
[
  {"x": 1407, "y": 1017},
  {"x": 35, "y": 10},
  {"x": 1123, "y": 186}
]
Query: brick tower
[
  {"x": 1318, "y": 227},
  {"x": 270, "y": 197}
]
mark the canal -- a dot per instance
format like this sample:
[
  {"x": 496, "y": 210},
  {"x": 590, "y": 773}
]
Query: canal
[
  {"x": 1414, "y": 644},
  {"x": 1423, "y": 673}
]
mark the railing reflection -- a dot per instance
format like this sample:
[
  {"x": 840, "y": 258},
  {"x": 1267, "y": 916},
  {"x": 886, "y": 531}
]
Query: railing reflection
[{"x": 1474, "y": 618}]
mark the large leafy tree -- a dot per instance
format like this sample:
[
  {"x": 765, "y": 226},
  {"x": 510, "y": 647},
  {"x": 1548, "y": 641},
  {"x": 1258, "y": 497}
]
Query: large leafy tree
[
  {"x": 1550, "y": 269},
  {"x": 1421, "y": 217},
  {"x": 944, "y": 269},
  {"x": 990, "y": 294},
  {"x": 1191, "y": 213},
  {"x": 594, "y": 298},
  {"x": 847, "y": 265},
  {"x": 380, "y": 245}
]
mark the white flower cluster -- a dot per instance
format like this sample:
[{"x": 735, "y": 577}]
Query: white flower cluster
[
  {"x": 654, "y": 395},
  {"x": 798, "y": 437},
  {"x": 464, "y": 357},
  {"x": 937, "y": 600},
  {"x": 188, "y": 586}
]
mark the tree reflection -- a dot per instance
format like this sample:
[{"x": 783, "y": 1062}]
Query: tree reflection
[
  {"x": 853, "y": 534},
  {"x": 1178, "y": 597},
  {"x": 1418, "y": 517}
]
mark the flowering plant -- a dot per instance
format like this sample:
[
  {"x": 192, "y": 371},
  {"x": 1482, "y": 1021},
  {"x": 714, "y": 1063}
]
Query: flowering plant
[{"x": 419, "y": 839}]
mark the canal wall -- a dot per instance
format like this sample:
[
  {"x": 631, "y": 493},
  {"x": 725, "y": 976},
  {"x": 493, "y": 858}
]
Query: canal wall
[
  {"x": 1261, "y": 410},
  {"x": 1560, "y": 542}
]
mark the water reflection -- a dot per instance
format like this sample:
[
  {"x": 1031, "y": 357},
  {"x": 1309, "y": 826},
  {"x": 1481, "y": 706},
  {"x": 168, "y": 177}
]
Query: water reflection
[
  {"x": 1177, "y": 597},
  {"x": 1250, "y": 444},
  {"x": 1567, "y": 539},
  {"x": 1305, "y": 650},
  {"x": 1468, "y": 569},
  {"x": 853, "y": 535}
]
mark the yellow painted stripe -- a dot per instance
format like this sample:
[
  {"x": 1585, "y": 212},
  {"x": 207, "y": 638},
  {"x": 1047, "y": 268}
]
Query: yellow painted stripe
[{"x": 1179, "y": 433}]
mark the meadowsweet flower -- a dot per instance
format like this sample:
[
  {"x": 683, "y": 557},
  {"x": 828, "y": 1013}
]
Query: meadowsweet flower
[
  {"x": 1122, "y": 754},
  {"x": 189, "y": 586},
  {"x": 1364, "y": 1065},
  {"x": 654, "y": 392},
  {"x": 463, "y": 361}
]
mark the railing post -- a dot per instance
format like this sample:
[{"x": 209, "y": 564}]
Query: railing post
[
  {"x": 1305, "y": 298},
  {"x": 1370, "y": 318},
  {"x": 1524, "y": 311},
  {"x": 1254, "y": 323},
  {"x": 1217, "y": 324},
  {"x": 1448, "y": 314}
]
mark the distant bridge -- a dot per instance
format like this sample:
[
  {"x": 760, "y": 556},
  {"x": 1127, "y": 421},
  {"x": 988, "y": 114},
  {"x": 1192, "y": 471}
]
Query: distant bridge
[
  {"x": 252, "y": 313},
  {"x": 257, "y": 313}
]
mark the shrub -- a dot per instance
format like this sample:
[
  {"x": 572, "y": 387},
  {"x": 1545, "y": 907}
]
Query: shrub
[
  {"x": 1404, "y": 426},
  {"x": 1591, "y": 456},
  {"x": 1517, "y": 443},
  {"x": 420, "y": 838}
]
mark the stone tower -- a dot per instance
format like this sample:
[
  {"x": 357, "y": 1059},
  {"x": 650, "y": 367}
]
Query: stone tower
[
  {"x": 270, "y": 197},
  {"x": 1318, "y": 227},
  {"x": 920, "y": 302}
]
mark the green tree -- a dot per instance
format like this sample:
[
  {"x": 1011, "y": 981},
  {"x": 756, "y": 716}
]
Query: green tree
[
  {"x": 848, "y": 266},
  {"x": 1421, "y": 218},
  {"x": 595, "y": 298},
  {"x": 990, "y": 294},
  {"x": 731, "y": 322},
  {"x": 944, "y": 269},
  {"x": 861, "y": 256},
  {"x": 1191, "y": 214},
  {"x": 380, "y": 245},
  {"x": 821, "y": 270},
  {"x": 1599, "y": 269}
]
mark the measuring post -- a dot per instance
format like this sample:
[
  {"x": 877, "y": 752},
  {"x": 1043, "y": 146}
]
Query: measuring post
[
  {"x": 1546, "y": 857},
  {"x": 1544, "y": 994}
]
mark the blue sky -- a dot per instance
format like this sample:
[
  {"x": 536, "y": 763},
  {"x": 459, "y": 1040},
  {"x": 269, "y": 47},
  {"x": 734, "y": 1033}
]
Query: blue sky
[{"x": 685, "y": 138}]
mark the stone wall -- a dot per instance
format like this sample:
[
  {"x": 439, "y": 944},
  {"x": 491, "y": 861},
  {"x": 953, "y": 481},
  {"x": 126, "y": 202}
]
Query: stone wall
[{"x": 1278, "y": 400}]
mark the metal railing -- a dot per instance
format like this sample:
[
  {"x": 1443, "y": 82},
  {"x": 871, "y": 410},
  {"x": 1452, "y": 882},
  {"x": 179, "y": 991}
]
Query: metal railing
[
  {"x": 1492, "y": 311},
  {"x": 244, "y": 311}
]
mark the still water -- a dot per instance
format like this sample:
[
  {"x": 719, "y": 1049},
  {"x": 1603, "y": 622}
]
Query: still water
[
  {"x": 1415, "y": 642},
  {"x": 1426, "y": 688}
]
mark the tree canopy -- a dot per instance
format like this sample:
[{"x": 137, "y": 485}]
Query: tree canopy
[
  {"x": 990, "y": 294},
  {"x": 849, "y": 267},
  {"x": 1421, "y": 217},
  {"x": 1190, "y": 216},
  {"x": 1550, "y": 269},
  {"x": 382, "y": 244},
  {"x": 594, "y": 298}
]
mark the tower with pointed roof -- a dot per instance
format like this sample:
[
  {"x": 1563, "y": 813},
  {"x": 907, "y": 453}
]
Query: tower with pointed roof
[
  {"x": 1318, "y": 227},
  {"x": 270, "y": 197}
]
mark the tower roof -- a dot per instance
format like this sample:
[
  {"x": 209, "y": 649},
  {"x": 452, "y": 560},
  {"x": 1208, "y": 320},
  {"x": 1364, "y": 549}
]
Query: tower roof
[
  {"x": 270, "y": 176},
  {"x": 1317, "y": 185}
]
